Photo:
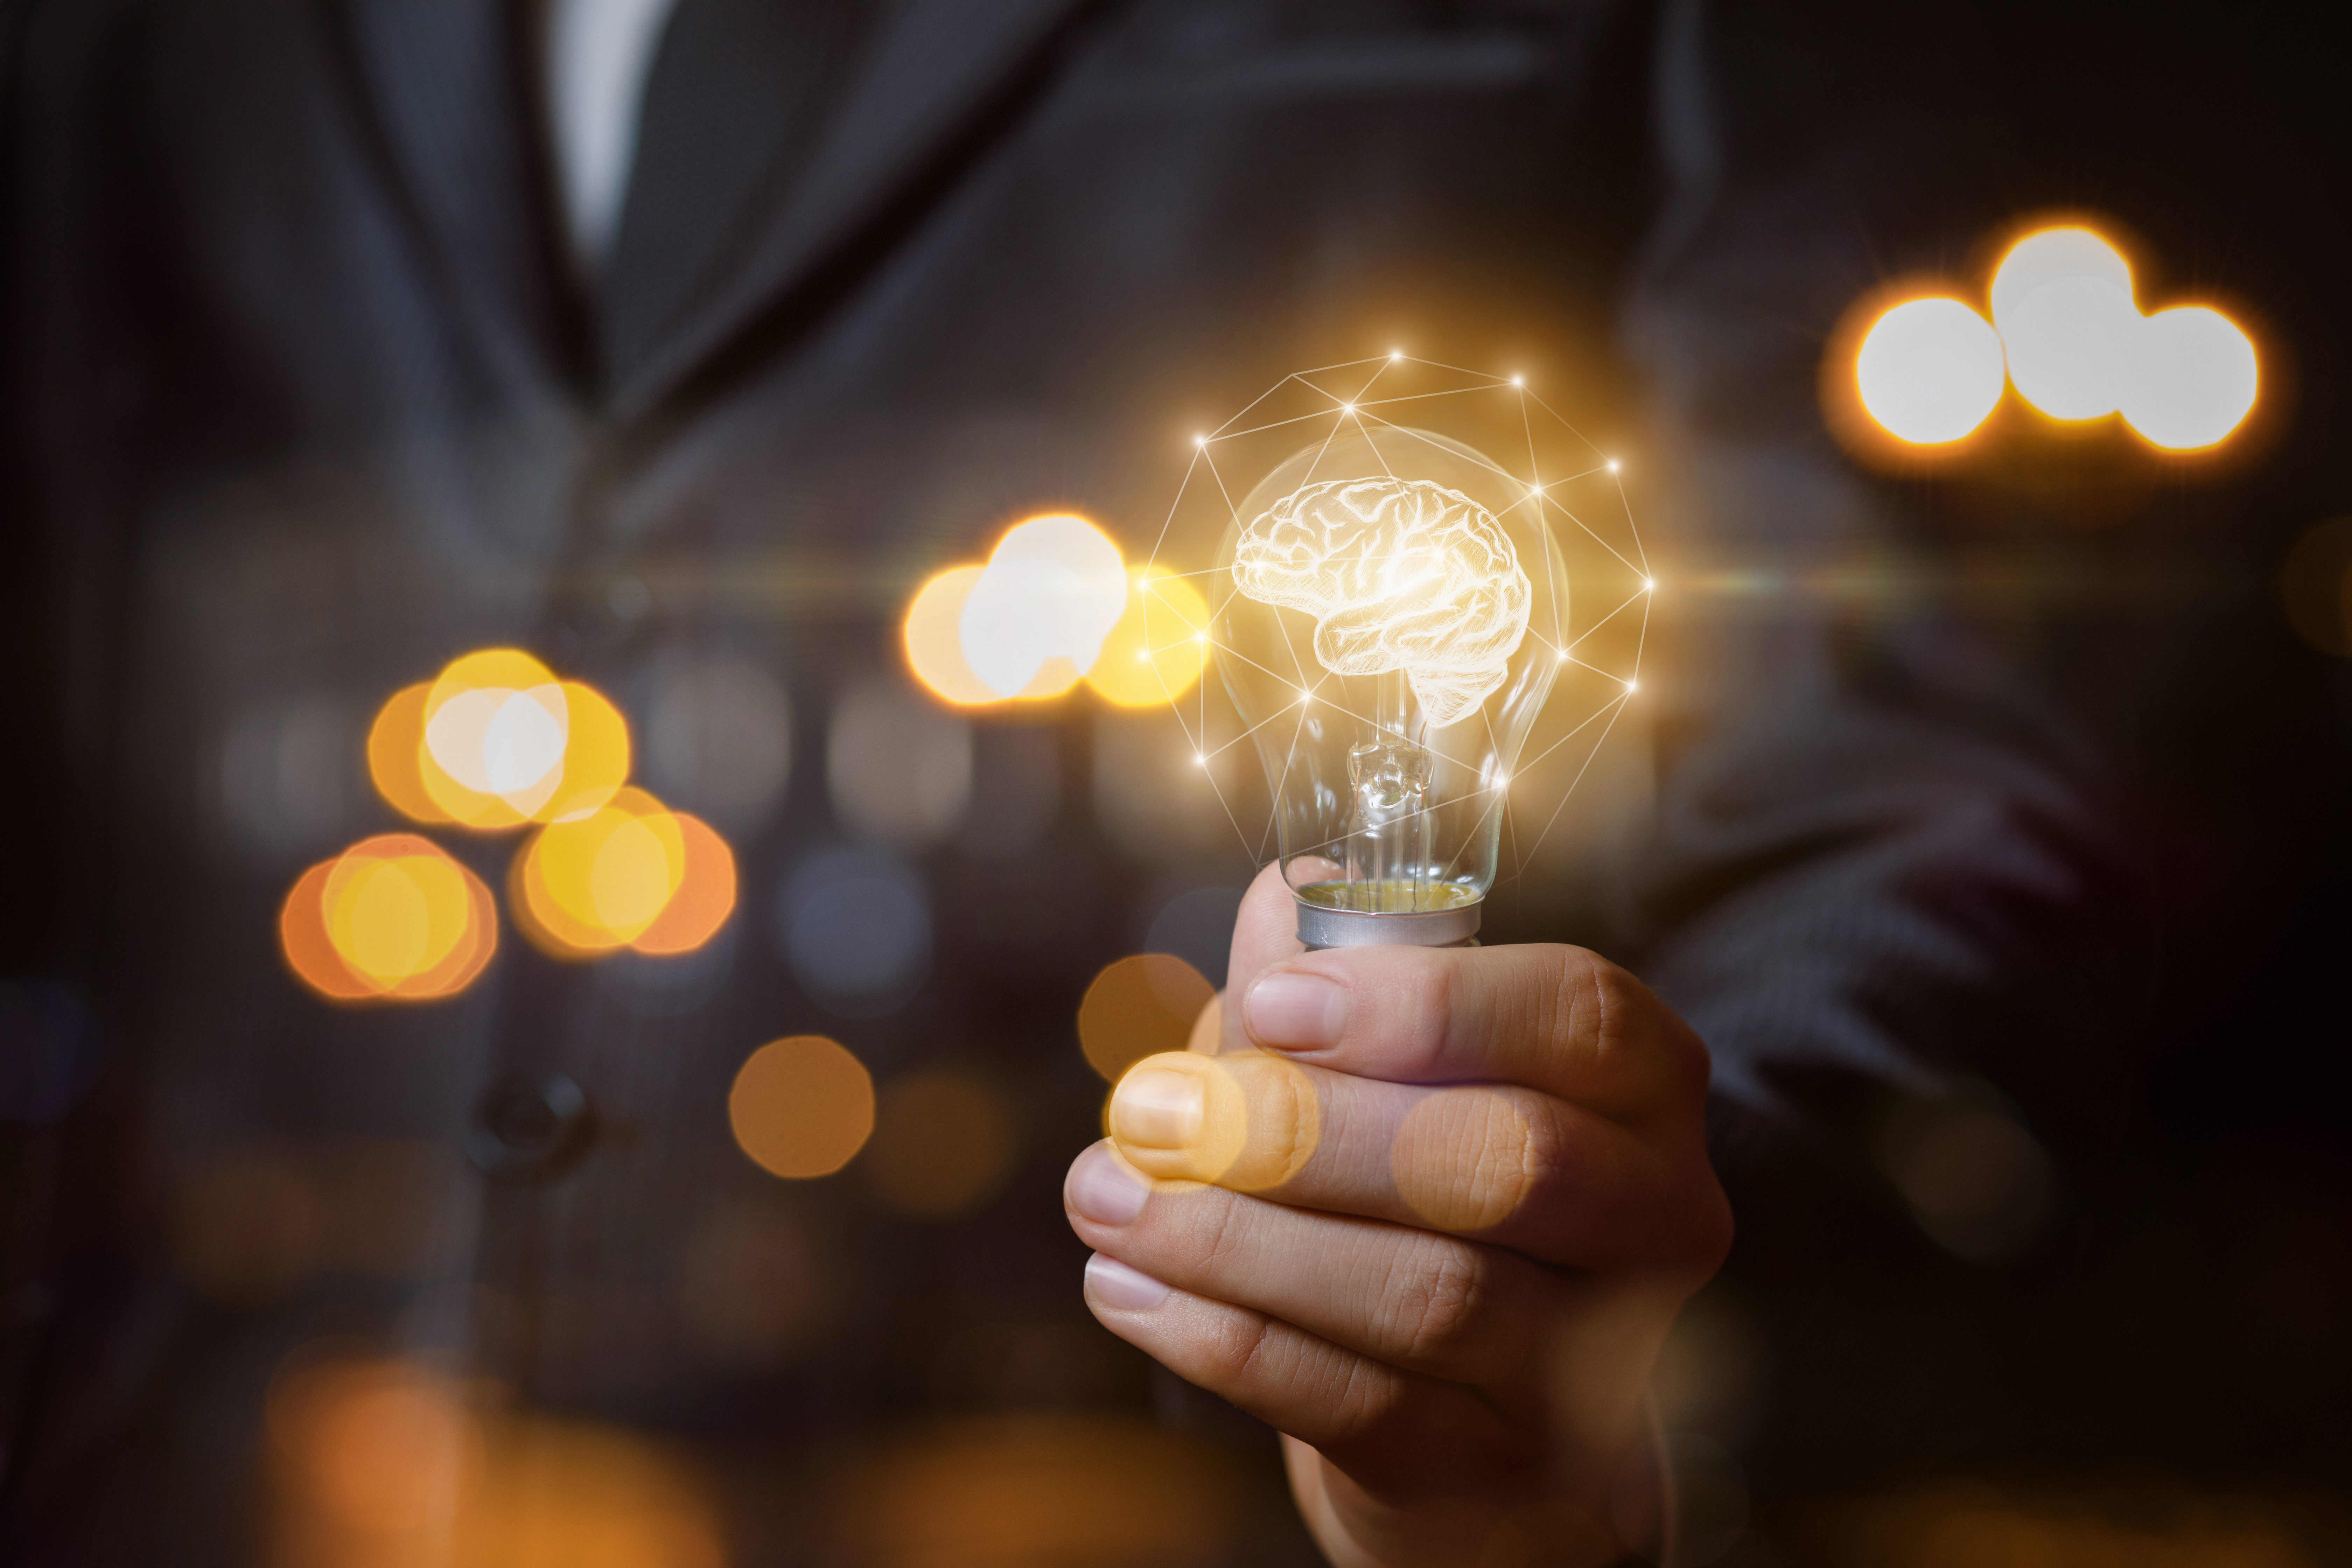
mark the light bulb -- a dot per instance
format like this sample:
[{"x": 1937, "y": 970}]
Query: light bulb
[{"x": 1405, "y": 582}]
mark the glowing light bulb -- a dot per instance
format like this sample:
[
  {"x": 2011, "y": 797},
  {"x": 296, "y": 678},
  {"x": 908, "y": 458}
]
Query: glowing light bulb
[{"x": 1400, "y": 579}]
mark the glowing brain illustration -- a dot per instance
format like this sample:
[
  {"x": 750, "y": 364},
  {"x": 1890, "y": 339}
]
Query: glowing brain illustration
[{"x": 1399, "y": 574}]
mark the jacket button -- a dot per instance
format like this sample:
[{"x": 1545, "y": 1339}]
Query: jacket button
[{"x": 529, "y": 1127}]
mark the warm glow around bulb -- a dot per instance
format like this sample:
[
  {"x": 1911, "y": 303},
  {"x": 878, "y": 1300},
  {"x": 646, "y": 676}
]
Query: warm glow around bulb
[
  {"x": 1157, "y": 650},
  {"x": 1929, "y": 371}
]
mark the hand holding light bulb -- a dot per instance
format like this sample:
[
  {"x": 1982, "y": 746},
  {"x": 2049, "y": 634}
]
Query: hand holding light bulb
[{"x": 1453, "y": 1198}]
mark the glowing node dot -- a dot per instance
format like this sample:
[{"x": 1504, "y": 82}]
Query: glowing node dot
[
  {"x": 1612, "y": 465},
  {"x": 1535, "y": 489},
  {"x": 1396, "y": 353},
  {"x": 1200, "y": 440},
  {"x": 1346, "y": 408},
  {"x": 1563, "y": 655},
  {"x": 1632, "y": 686},
  {"x": 1648, "y": 585},
  {"x": 1200, "y": 760},
  {"x": 1199, "y": 637}
]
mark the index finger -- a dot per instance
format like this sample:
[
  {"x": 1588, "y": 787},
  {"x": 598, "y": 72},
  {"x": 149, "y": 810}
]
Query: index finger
[{"x": 1547, "y": 1017}]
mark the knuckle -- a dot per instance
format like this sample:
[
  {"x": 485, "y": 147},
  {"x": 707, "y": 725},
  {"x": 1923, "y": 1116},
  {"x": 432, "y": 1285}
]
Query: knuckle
[
  {"x": 1239, "y": 1352},
  {"x": 1425, "y": 997},
  {"x": 1606, "y": 1012},
  {"x": 1364, "y": 1403},
  {"x": 1437, "y": 1302}
]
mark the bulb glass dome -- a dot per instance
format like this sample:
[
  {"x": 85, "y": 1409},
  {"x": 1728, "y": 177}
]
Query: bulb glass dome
[
  {"x": 1378, "y": 556},
  {"x": 1403, "y": 594}
]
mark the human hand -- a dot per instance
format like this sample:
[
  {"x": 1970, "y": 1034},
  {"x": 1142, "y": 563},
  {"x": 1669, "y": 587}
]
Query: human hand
[{"x": 1433, "y": 1232}]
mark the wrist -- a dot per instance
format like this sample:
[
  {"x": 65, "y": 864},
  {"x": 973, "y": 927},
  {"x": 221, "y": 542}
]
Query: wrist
[{"x": 1628, "y": 1522}]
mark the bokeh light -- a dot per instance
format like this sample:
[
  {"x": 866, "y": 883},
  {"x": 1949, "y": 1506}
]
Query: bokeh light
[
  {"x": 934, "y": 637},
  {"x": 495, "y": 741},
  {"x": 703, "y": 899},
  {"x": 395, "y": 755},
  {"x": 378, "y": 1447},
  {"x": 943, "y": 1144},
  {"x": 393, "y": 917},
  {"x": 1248, "y": 1121},
  {"x": 1457, "y": 1157},
  {"x": 895, "y": 767},
  {"x": 2315, "y": 587},
  {"x": 373, "y": 1460},
  {"x": 801, "y": 1107},
  {"x": 855, "y": 926},
  {"x": 1054, "y": 588},
  {"x": 249, "y": 1224},
  {"x": 2067, "y": 332},
  {"x": 632, "y": 873},
  {"x": 2071, "y": 344},
  {"x": 719, "y": 739},
  {"x": 1139, "y": 1006},
  {"x": 1048, "y": 1488},
  {"x": 1930, "y": 371},
  {"x": 1027, "y": 626},
  {"x": 1154, "y": 654},
  {"x": 2193, "y": 379},
  {"x": 2052, "y": 256}
]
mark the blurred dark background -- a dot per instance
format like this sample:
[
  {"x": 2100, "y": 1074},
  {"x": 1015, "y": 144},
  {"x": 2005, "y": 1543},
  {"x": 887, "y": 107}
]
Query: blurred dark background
[{"x": 299, "y": 408}]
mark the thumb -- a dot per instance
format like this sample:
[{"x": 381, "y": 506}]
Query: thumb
[{"x": 1265, "y": 932}]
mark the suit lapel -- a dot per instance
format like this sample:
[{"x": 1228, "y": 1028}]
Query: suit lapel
[
  {"x": 451, "y": 103},
  {"x": 937, "y": 67}
]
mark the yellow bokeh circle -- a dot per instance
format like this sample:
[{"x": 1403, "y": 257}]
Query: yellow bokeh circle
[{"x": 801, "y": 1107}]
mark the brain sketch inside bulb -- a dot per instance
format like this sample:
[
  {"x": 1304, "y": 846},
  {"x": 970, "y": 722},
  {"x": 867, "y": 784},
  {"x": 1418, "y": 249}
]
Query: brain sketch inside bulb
[
  {"x": 1401, "y": 574},
  {"x": 1410, "y": 571}
]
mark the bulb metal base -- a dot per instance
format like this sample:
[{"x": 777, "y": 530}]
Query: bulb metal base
[{"x": 1321, "y": 927}]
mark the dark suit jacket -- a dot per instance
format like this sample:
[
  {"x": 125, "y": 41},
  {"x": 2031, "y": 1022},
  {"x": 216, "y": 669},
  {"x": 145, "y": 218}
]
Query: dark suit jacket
[{"x": 302, "y": 399}]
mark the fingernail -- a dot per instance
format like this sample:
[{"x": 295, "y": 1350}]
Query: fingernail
[
  {"x": 1296, "y": 1012},
  {"x": 1156, "y": 1109},
  {"x": 1104, "y": 1190},
  {"x": 1114, "y": 1284}
]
